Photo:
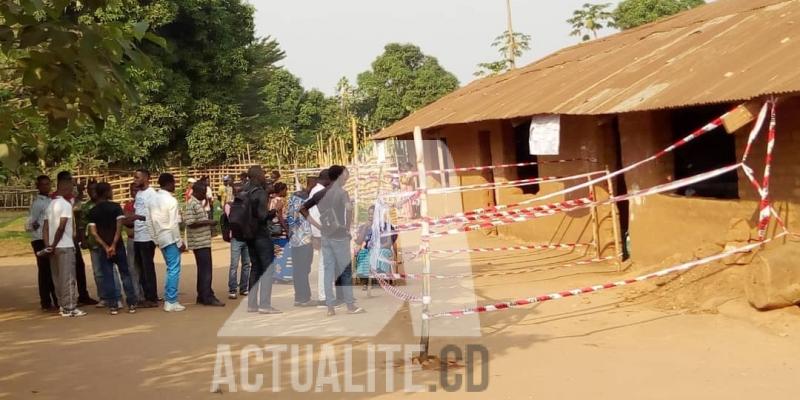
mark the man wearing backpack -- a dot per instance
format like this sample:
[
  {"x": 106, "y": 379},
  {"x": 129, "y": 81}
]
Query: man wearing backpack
[
  {"x": 336, "y": 216},
  {"x": 250, "y": 222}
]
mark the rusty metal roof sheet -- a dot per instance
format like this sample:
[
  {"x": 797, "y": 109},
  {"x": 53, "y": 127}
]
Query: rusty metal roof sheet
[{"x": 725, "y": 51}]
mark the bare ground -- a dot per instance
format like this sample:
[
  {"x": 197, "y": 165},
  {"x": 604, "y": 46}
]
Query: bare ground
[{"x": 647, "y": 342}]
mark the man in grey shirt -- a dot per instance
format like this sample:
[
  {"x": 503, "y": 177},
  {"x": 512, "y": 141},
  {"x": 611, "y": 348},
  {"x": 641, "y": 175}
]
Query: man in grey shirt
[{"x": 336, "y": 216}]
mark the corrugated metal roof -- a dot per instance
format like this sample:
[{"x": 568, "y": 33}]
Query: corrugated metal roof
[{"x": 725, "y": 51}]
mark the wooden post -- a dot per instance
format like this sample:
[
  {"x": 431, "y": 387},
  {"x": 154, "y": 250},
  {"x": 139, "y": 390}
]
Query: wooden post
[
  {"x": 354, "y": 131},
  {"x": 595, "y": 222},
  {"x": 512, "y": 45},
  {"x": 378, "y": 196},
  {"x": 419, "y": 146},
  {"x": 615, "y": 223},
  {"x": 440, "y": 154}
]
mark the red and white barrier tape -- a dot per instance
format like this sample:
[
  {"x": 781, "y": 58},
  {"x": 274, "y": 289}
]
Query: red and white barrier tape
[
  {"x": 517, "y": 183},
  {"x": 511, "y": 213},
  {"x": 766, "y": 211},
  {"x": 596, "y": 288},
  {"x": 562, "y": 246},
  {"x": 495, "y": 274},
  {"x": 514, "y": 217},
  {"x": 485, "y": 217},
  {"x": 494, "y": 185},
  {"x": 766, "y": 204},
  {"x": 491, "y": 167},
  {"x": 566, "y": 208}
]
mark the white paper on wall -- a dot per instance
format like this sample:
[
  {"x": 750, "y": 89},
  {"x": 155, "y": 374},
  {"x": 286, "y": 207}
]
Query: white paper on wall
[
  {"x": 545, "y": 135},
  {"x": 380, "y": 149}
]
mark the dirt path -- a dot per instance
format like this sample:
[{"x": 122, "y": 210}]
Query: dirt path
[{"x": 611, "y": 345}]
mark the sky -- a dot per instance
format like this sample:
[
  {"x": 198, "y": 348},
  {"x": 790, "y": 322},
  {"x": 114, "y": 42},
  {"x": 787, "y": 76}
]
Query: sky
[{"x": 327, "y": 39}]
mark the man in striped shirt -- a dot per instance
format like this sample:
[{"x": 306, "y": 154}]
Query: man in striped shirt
[{"x": 198, "y": 239}]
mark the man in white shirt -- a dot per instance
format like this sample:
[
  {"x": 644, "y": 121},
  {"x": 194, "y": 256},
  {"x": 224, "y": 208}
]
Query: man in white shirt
[
  {"x": 34, "y": 224},
  {"x": 163, "y": 221},
  {"x": 58, "y": 233},
  {"x": 143, "y": 247},
  {"x": 316, "y": 237}
]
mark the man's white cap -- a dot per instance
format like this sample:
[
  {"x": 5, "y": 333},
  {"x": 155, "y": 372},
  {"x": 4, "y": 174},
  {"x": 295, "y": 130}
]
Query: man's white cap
[{"x": 192, "y": 180}]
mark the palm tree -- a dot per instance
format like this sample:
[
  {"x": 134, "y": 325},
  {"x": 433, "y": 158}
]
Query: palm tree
[{"x": 591, "y": 18}]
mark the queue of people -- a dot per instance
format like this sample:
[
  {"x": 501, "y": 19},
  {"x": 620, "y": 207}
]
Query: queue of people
[{"x": 257, "y": 213}]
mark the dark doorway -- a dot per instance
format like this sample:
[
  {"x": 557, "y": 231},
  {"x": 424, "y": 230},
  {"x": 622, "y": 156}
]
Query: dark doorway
[
  {"x": 711, "y": 151},
  {"x": 522, "y": 149}
]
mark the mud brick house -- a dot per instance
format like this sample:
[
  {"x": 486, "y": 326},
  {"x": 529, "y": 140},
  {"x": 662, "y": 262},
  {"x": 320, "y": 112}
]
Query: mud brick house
[{"x": 621, "y": 99}]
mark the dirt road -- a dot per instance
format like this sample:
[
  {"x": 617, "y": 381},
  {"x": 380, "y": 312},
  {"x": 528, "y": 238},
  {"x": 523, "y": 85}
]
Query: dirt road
[{"x": 611, "y": 345}]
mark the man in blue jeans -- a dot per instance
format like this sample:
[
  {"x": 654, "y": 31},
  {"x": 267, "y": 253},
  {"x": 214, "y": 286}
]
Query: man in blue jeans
[
  {"x": 163, "y": 221},
  {"x": 335, "y": 219},
  {"x": 238, "y": 252},
  {"x": 105, "y": 226}
]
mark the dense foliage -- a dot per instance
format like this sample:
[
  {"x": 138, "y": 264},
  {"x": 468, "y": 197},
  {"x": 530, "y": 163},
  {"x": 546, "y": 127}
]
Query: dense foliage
[
  {"x": 118, "y": 83},
  {"x": 401, "y": 81},
  {"x": 632, "y": 13},
  {"x": 62, "y": 64}
]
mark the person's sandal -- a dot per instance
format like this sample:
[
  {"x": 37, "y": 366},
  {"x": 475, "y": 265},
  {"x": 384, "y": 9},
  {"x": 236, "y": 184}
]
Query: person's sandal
[{"x": 356, "y": 310}]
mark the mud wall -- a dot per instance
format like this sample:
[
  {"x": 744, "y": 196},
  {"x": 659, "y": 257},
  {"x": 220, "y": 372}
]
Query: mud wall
[
  {"x": 582, "y": 137},
  {"x": 464, "y": 150},
  {"x": 663, "y": 225}
]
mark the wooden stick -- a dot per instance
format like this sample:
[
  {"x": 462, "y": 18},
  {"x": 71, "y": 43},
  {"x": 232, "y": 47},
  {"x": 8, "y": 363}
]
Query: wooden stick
[
  {"x": 615, "y": 223},
  {"x": 595, "y": 222},
  {"x": 354, "y": 131}
]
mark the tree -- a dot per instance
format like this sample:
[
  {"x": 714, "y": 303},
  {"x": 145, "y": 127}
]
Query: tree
[
  {"x": 511, "y": 46},
  {"x": 590, "y": 19},
  {"x": 64, "y": 64},
  {"x": 632, "y": 13},
  {"x": 281, "y": 97},
  {"x": 401, "y": 81},
  {"x": 200, "y": 100}
]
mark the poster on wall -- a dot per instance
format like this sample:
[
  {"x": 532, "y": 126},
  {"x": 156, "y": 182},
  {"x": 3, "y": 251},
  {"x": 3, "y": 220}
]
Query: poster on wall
[
  {"x": 380, "y": 150},
  {"x": 545, "y": 135}
]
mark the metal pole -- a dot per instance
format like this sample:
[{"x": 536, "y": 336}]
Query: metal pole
[
  {"x": 615, "y": 223},
  {"x": 595, "y": 222},
  {"x": 424, "y": 242}
]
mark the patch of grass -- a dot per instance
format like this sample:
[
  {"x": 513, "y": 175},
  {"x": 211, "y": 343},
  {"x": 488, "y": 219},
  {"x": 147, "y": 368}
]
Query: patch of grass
[
  {"x": 5, "y": 235},
  {"x": 13, "y": 220},
  {"x": 14, "y": 241}
]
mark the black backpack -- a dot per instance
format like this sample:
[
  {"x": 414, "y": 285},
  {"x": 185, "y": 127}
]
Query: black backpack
[
  {"x": 225, "y": 227},
  {"x": 333, "y": 213},
  {"x": 242, "y": 221}
]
